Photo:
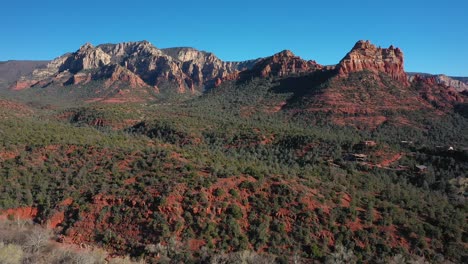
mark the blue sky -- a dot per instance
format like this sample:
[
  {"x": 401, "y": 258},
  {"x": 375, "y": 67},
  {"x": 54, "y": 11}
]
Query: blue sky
[{"x": 432, "y": 34}]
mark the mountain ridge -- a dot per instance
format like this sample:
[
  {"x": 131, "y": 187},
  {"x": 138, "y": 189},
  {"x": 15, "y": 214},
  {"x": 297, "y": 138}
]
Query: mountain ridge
[
  {"x": 188, "y": 68},
  {"x": 141, "y": 71},
  {"x": 11, "y": 70}
]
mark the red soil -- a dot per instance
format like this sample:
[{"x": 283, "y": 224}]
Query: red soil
[
  {"x": 196, "y": 244},
  {"x": 55, "y": 220},
  {"x": 22, "y": 213},
  {"x": 66, "y": 202},
  {"x": 389, "y": 161},
  {"x": 6, "y": 155},
  {"x": 345, "y": 200}
]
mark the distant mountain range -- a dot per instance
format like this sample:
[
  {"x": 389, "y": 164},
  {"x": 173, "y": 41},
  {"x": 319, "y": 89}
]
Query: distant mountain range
[
  {"x": 12, "y": 70},
  {"x": 138, "y": 64},
  {"x": 459, "y": 83},
  {"x": 142, "y": 64},
  {"x": 362, "y": 88}
]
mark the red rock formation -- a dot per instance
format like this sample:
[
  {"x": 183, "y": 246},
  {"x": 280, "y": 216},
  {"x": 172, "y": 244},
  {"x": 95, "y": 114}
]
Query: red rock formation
[
  {"x": 23, "y": 84},
  {"x": 115, "y": 73},
  {"x": 436, "y": 93},
  {"x": 282, "y": 64},
  {"x": 366, "y": 56},
  {"x": 428, "y": 80},
  {"x": 81, "y": 78},
  {"x": 448, "y": 81}
]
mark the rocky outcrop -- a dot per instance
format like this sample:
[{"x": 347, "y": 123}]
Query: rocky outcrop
[
  {"x": 202, "y": 67},
  {"x": 189, "y": 69},
  {"x": 23, "y": 84},
  {"x": 457, "y": 84},
  {"x": 81, "y": 78},
  {"x": 115, "y": 74},
  {"x": 112, "y": 74},
  {"x": 282, "y": 64},
  {"x": 448, "y": 81},
  {"x": 366, "y": 56},
  {"x": 434, "y": 91},
  {"x": 52, "y": 68},
  {"x": 120, "y": 51},
  {"x": 87, "y": 57}
]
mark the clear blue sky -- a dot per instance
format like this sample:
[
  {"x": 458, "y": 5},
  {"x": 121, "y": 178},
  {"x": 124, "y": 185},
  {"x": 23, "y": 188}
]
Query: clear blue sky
[{"x": 432, "y": 34}]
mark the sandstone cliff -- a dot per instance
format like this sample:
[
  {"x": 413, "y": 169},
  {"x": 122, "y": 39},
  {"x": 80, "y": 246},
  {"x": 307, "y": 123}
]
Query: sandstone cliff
[
  {"x": 282, "y": 64},
  {"x": 87, "y": 57},
  {"x": 366, "y": 56},
  {"x": 112, "y": 74}
]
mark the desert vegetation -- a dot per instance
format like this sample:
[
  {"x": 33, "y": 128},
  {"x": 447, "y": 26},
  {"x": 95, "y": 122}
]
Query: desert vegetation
[{"x": 231, "y": 176}]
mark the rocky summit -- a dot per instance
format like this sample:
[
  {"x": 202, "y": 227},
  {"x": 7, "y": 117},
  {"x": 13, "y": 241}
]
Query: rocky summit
[
  {"x": 366, "y": 56},
  {"x": 284, "y": 63}
]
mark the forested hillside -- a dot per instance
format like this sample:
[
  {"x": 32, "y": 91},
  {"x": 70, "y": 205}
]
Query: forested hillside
[
  {"x": 277, "y": 160},
  {"x": 228, "y": 172}
]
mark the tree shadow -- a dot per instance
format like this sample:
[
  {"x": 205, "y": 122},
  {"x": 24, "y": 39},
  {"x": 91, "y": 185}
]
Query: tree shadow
[
  {"x": 304, "y": 85},
  {"x": 462, "y": 109}
]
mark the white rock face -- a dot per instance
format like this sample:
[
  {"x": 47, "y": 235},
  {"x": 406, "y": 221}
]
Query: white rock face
[
  {"x": 187, "y": 68},
  {"x": 87, "y": 57},
  {"x": 458, "y": 85}
]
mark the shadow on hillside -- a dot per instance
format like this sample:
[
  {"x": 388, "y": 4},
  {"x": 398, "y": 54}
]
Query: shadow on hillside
[
  {"x": 462, "y": 109},
  {"x": 301, "y": 86}
]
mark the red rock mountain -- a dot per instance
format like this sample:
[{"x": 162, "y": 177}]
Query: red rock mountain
[
  {"x": 138, "y": 64},
  {"x": 366, "y": 56},
  {"x": 368, "y": 84},
  {"x": 143, "y": 67},
  {"x": 460, "y": 84},
  {"x": 282, "y": 64},
  {"x": 436, "y": 92}
]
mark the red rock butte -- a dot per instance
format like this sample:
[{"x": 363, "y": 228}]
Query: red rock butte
[
  {"x": 283, "y": 64},
  {"x": 366, "y": 56}
]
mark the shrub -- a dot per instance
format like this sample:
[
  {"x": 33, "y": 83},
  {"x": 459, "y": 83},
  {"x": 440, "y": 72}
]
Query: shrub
[
  {"x": 10, "y": 254},
  {"x": 242, "y": 257},
  {"x": 68, "y": 256},
  {"x": 341, "y": 255},
  {"x": 37, "y": 239},
  {"x": 234, "y": 193},
  {"x": 235, "y": 211}
]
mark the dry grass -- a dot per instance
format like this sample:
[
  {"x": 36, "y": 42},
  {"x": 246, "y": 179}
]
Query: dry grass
[{"x": 22, "y": 242}]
